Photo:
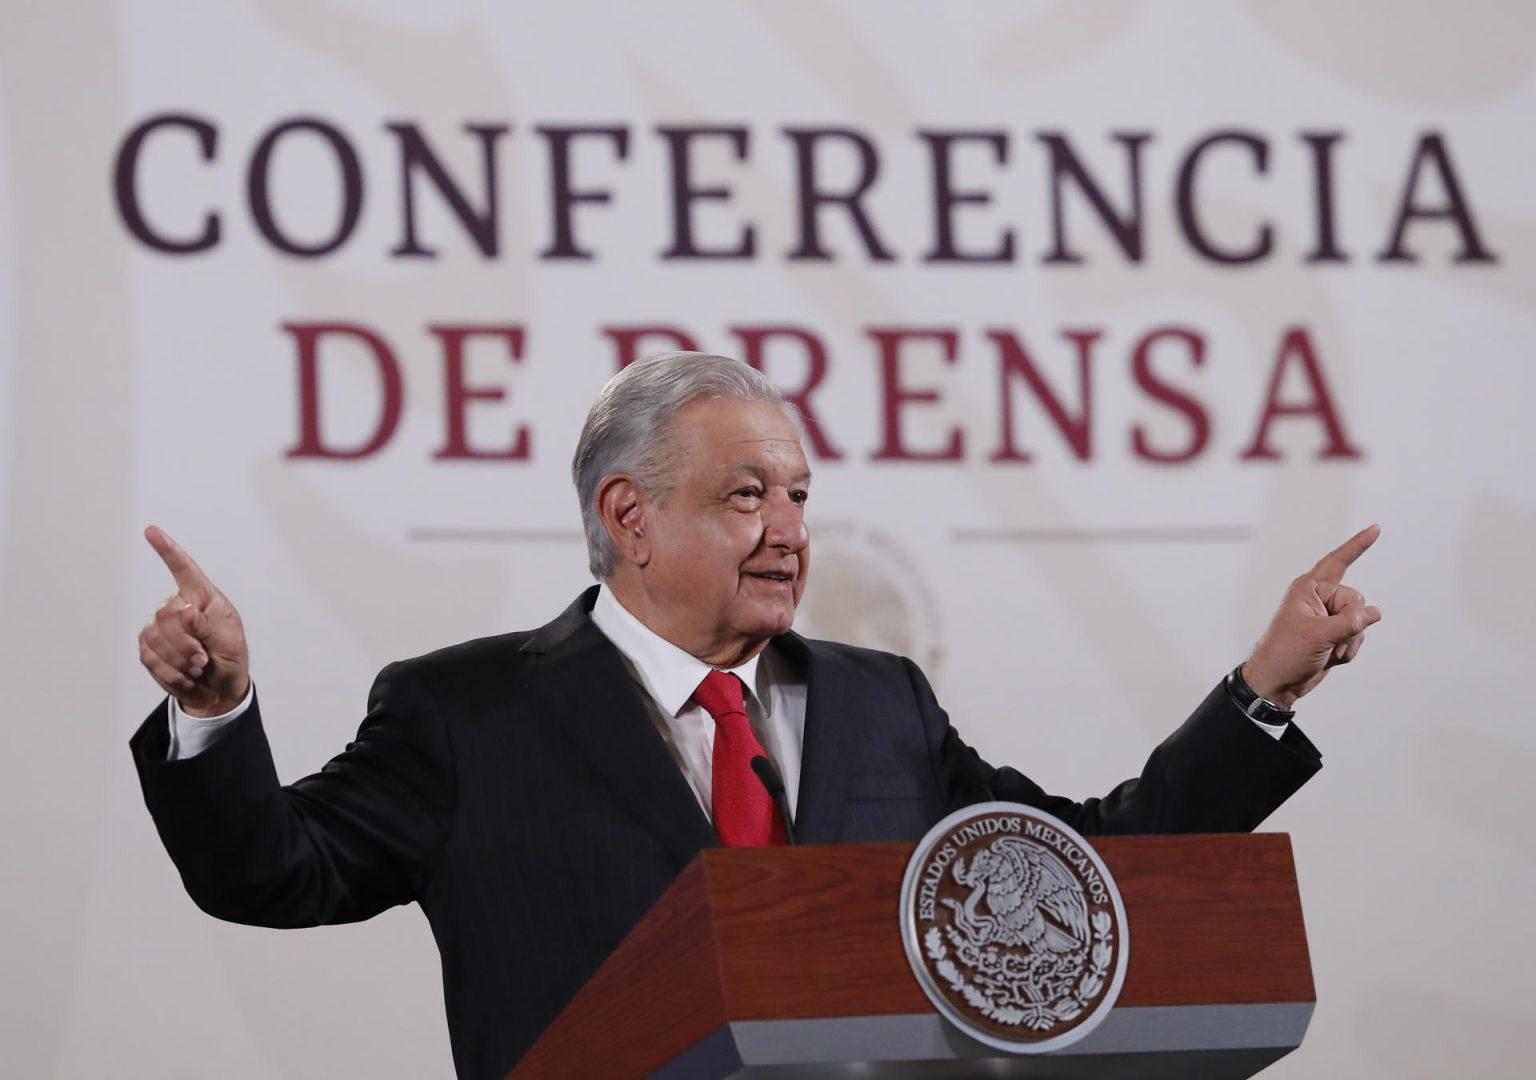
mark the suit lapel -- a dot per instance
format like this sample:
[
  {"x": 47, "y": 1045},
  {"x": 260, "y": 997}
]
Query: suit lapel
[
  {"x": 827, "y": 759},
  {"x": 580, "y": 683}
]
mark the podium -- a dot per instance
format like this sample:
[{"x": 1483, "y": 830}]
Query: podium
[{"x": 788, "y": 962}]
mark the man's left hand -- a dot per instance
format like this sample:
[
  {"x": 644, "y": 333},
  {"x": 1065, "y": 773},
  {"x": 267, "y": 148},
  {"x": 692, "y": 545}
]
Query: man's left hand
[{"x": 1320, "y": 624}]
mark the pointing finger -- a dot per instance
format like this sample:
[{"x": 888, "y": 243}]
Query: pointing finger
[
  {"x": 190, "y": 579},
  {"x": 1331, "y": 566}
]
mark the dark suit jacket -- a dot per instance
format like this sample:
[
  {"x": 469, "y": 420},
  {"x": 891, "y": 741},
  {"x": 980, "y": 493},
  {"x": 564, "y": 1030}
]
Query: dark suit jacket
[{"x": 517, "y": 788}]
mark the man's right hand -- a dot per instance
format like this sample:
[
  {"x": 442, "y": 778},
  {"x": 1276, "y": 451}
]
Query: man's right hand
[{"x": 194, "y": 647}]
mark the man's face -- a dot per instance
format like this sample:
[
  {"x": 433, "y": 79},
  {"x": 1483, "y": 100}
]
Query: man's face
[{"x": 729, "y": 550}]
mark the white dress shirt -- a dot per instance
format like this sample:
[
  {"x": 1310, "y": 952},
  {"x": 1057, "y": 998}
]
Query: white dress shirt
[{"x": 775, "y": 700}]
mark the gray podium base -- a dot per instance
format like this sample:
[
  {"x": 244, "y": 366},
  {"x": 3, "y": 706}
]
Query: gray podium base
[{"x": 1212, "y": 1042}]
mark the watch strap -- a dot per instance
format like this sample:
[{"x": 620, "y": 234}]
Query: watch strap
[{"x": 1252, "y": 705}]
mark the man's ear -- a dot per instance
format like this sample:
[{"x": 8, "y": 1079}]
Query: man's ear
[{"x": 623, "y": 507}]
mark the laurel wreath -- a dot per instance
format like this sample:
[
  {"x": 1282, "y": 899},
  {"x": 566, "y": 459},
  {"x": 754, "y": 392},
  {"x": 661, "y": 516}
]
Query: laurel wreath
[{"x": 1039, "y": 1016}]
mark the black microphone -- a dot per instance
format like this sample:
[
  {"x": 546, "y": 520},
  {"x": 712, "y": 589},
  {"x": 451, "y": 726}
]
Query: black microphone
[{"x": 775, "y": 785}]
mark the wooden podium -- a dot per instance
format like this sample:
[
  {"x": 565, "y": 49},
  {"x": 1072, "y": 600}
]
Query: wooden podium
[{"x": 788, "y": 962}]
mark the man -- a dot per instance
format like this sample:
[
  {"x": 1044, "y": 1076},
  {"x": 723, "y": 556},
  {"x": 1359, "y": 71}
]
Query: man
[{"x": 536, "y": 792}]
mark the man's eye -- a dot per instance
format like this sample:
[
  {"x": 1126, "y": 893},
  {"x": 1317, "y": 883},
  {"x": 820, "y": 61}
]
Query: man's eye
[
  {"x": 747, "y": 493},
  {"x": 799, "y": 497}
]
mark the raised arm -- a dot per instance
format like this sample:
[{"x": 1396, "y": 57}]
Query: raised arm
[
  {"x": 1217, "y": 772},
  {"x": 339, "y": 845}
]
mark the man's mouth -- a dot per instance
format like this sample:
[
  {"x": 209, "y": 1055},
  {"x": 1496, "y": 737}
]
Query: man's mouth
[{"x": 771, "y": 575}]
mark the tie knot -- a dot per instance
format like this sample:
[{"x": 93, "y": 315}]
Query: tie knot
[{"x": 721, "y": 695}]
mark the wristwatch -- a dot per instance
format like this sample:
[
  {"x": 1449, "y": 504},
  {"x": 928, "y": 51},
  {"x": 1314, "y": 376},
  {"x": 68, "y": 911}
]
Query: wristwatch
[{"x": 1254, "y": 707}]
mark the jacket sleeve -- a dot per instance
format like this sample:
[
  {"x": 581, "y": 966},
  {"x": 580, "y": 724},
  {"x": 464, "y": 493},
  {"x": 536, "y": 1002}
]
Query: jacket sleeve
[
  {"x": 359, "y": 836},
  {"x": 1218, "y": 772}
]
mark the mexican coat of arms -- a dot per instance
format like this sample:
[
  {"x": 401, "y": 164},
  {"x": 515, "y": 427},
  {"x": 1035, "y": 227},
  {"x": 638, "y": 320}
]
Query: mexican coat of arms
[{"x": 1014, "y": 927}]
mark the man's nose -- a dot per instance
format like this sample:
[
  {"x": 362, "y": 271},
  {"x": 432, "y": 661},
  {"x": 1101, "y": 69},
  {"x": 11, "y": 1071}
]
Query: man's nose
[{"x": 784, "y": 524}]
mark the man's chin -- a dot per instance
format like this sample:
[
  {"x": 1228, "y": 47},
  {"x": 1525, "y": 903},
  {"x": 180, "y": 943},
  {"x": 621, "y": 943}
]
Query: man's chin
[{"x": 772, "y": 621}]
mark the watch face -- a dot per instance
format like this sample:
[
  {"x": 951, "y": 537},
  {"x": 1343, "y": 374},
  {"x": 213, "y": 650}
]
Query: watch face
[{"x": 1267, "y": 712}]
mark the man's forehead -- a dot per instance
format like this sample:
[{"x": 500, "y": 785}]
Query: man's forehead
[
  {"x": 789, "y": 442},
  {"x": 736, "y": 434},
  {"x": 756, "y": 452},
  {"x": 801, "y": 471}
]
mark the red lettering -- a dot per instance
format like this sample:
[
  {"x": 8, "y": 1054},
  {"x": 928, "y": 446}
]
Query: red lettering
[
  {"x": 1014, "y": 362},
  {"x": 1153, "y": 387},
  {"x": 1298, "y": 344},
  {"x": 310, "y": 444},
  {"x": 626, "y": 341},
  {"x": 754, "y": 342},
  {"x": 894, "y": 396},
  {"x": 458, "y": 393}
]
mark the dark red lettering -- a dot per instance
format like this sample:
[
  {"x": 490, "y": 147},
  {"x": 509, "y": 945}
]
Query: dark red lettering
[
  {"x": 894, "y": 396},
  {"x": 310, "y": 444},
  {"x": 1014, "y": 362},
  {"x": 1297, "y": 344},
  {"x": 626, "y": 341},
  {"x": 754, "y": 348},
  {"x": 458, "y": 393},
  {"x": 1155, "y": 388}
]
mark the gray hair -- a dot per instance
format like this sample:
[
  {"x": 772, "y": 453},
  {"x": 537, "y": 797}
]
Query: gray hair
[{"x": 627, "y": 428}]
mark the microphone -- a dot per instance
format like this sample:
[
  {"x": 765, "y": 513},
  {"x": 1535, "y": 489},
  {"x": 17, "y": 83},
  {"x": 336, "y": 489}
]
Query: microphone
[{"x": 775, "y": 785}]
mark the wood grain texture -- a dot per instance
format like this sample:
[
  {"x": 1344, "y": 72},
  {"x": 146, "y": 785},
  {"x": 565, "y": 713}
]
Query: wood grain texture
[
  {"x": 1214, "y": 919},
  {"x": 813, "y": 931}
]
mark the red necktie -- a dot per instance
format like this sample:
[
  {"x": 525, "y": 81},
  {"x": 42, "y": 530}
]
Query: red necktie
[{"x": 744, "y": 811}]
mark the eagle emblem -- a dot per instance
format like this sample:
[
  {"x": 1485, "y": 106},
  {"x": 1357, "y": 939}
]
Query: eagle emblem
[
  {"x": 1014, "y": 927},
  {"x": 1031, "y": 899}
]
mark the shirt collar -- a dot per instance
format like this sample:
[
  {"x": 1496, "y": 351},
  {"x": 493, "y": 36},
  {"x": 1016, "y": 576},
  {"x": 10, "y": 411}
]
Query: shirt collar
[{"x": 668, "y": 674}]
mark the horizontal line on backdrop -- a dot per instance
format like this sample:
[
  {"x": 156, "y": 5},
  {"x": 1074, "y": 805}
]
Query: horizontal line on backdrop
[
  {"x": 465, "y": 535},
  {"x": 1171, "y": 534},
  {"x": 1176, "y": 534}
]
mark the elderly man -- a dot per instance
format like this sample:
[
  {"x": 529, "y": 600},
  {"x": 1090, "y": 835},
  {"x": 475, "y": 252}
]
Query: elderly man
[{"x": 536, "y": 792}]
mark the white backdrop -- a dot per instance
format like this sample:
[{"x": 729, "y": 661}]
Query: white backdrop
[{"x": 1070, "y": 609}]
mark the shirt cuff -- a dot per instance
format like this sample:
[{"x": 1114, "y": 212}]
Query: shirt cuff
[
  {"x": 191, "y": 735},
  {"x": 1275, "y": 730}
]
